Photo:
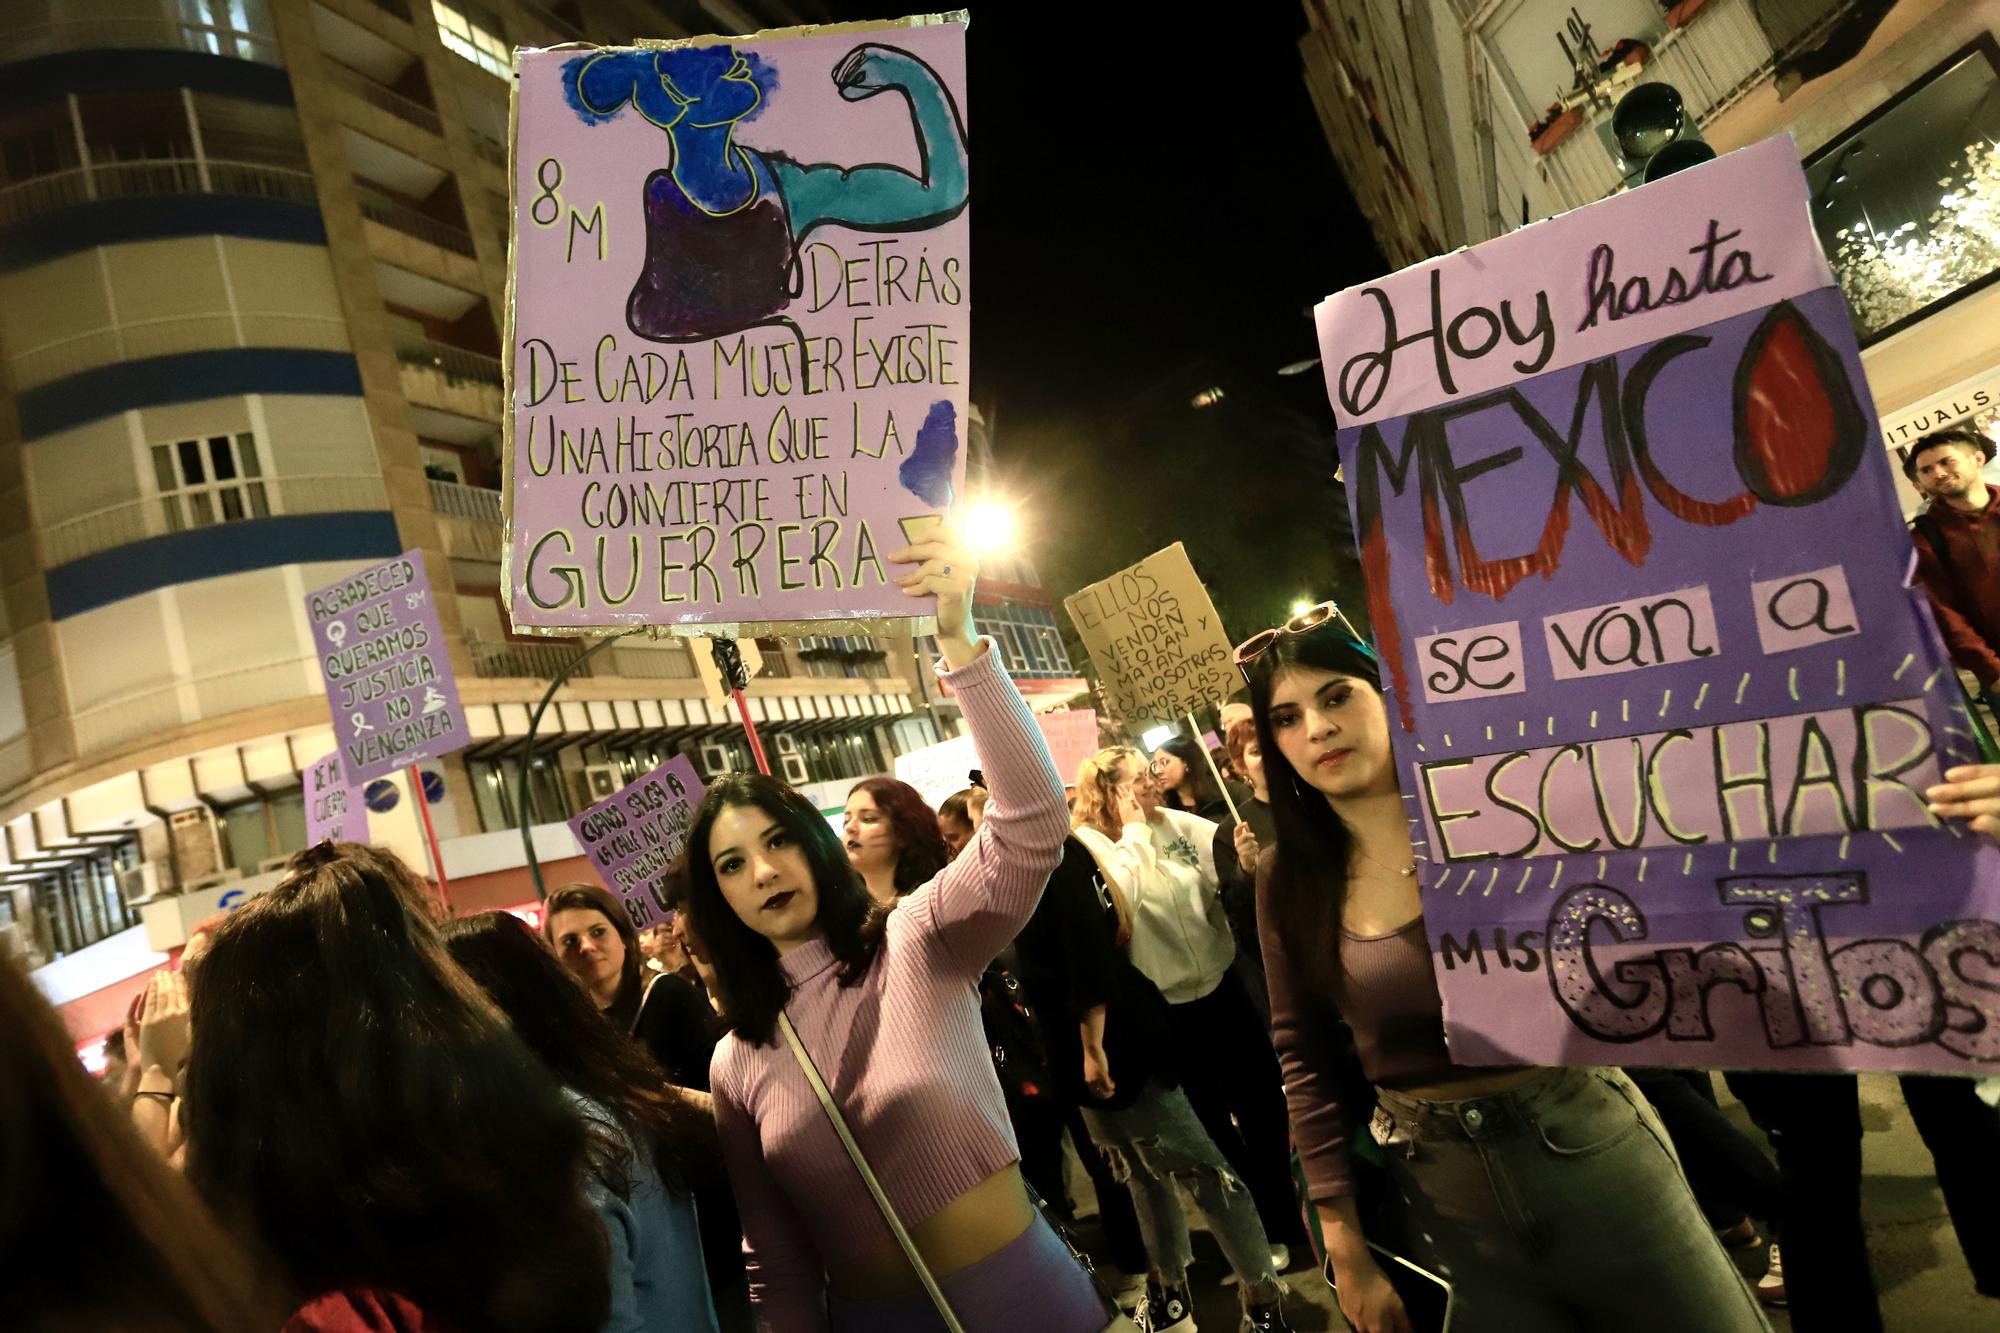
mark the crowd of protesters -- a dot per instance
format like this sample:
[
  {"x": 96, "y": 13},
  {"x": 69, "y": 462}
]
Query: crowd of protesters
[{"x": 843, "y": 1086}]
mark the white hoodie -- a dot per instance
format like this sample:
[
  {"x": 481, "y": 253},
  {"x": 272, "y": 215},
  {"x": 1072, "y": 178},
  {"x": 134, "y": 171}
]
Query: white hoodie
[{"x": 1181, "y": 939}]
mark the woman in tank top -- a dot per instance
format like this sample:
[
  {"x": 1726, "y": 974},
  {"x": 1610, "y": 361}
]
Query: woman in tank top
[{"x": 1549, "y": 1198}]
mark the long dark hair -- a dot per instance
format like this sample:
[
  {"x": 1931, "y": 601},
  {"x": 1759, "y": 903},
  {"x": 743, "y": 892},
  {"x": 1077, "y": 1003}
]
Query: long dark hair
[
  {"x": 920, "y": 849},
  {"x": 556, "y": 1017},
  {"x": 355, "y": 1102},
  {"x": 1308, "y": 883},
  {"x": 751, "y": 985},
  {"x": 597, "y": 898},
  {"x": 71, "y": 1165},
  {"x": 1199, "y": 780}
]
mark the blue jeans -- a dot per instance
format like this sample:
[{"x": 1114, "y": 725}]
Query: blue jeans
[
  {"x": 1559, "y": 1207},
  {"x": 1157, "y": 1142}
]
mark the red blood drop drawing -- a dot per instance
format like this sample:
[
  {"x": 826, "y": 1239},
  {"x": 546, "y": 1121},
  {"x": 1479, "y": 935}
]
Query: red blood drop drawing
[{"x": 1799, "y": 429}]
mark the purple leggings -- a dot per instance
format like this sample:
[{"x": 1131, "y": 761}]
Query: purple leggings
[{"x": 1032, "y": 1282}]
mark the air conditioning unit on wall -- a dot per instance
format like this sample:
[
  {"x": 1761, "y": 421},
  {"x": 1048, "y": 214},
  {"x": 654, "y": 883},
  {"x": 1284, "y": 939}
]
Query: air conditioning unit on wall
[
  {"x": 786, "y": 742},
  {"x": 713, "y": 760},
  {"x": 793, "y": 767},
  {"x": 139, "y": 883}
]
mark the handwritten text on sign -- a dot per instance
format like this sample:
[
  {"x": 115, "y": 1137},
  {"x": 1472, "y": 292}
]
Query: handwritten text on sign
[
  {"x": 740, "y": 349},
  {"x": 1662, "y": 707},
  {"x": 388, "y": 677},
  {"x": 1153, "y": 635},
  {"x": 634, "y": 835},
  {"x": 334, "y": 811}
]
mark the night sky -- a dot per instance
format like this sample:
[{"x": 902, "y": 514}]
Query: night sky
[{"x": 1154, "y": 207}]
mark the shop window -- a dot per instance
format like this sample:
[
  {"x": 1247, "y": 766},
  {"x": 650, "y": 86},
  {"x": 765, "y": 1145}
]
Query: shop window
[
  {"x": 1907, "y": 201},
  {"x": 210, "y": 480},
  {"x": 260, "y": 829},
  {"x": 496, "y": 787},
  {"x": 475, "y": 34}
]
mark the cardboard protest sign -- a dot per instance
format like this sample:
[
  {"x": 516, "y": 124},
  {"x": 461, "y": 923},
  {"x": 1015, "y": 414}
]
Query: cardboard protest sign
[
  {"x": 388, "y": 676},
  {"x": 936, "y": 771},
  {"x": 1153, "y": 635},
  {"x": 1663, "y": 706},
  {"x": 738, "y": 349},
  {"x": 633, "y": 835},
  {"x": 333, "y": 808}
]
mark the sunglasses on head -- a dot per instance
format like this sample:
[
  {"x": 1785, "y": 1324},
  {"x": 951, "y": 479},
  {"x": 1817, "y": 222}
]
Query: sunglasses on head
[{"x": 1305, "y": 622}]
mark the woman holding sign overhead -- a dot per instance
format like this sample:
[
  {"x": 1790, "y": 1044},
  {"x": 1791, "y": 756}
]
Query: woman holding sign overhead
[
  {"x": 1551, "y": 1197},
  {"x": 862, "y": 1123}
]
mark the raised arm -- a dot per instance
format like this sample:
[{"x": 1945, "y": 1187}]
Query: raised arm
[
  {"x": 875, "y": 196},
  {"x": 787, "y": 1284},
  {"x": 982, "y": 899}
]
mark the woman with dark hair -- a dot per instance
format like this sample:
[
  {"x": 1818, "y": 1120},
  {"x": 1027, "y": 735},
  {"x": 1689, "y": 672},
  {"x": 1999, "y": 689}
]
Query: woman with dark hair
[
  {"x": 72, "y": 1168},
  {"x": 1185, "y": 782},
  {"x": 647, "y": 1141},
  {"x": 593, "y": 937},
  {"x": 361, "y": 1109},
  {"x": 892, "y": 838},
  {"x": 1238, "y": 844},
  {"x": 960, "y": 816},
  {"x": 883, "y": 1004},
  {"x": 1616, "y": 1241}
]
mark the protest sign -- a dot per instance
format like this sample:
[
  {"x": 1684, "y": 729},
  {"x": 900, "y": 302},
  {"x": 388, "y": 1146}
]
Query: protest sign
[
  {"x": 738, "y": 347},
  {"x": 333, "y": 808},
  {"x": 1153, "y": 635},
  {"x": 633, "y": 835},
  {"x": 388, "y": 677},
  {"x": 1662, "y": 705},
  {"x": 936, "y": 771}
]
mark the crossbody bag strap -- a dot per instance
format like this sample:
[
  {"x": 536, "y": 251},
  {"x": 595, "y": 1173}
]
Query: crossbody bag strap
[{"x": 833, "y": 1114}]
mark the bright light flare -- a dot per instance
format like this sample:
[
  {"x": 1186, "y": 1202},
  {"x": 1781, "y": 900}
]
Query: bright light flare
[
  {"x": 1157, "y": 737},
  {"x": 1302, "y": 606},
  {"x": 989, "y": 527}
]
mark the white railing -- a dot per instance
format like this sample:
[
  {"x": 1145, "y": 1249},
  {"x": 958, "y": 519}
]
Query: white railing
[
  {"x": 132, "y": 180},
  {"x": 163, "y": 707},
  {"x": 454, "y": 363},
  {"x": 138, "y": 33},
  {"x": 385, "y": 99},
  {"x": 136, "y": 520},
  {"x": 167, "y": 335},
  {"x": 1720, "y": 55},
  {"x": 454, "y": 500},
  {"x": 377, "y": 207}
]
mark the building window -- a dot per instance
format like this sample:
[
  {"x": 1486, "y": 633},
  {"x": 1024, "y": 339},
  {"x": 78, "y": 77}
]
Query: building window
[
  {"x": 215, "y": 479},
  {"x": 474, "y": 33},
  {"x": 80, "y": 904},
  {"x": 263, "y": 829},
  {"x": 1907, "y": 201},
  {"x": 496, "y": 784}
]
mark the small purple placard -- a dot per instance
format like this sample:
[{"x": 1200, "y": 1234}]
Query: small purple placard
[
  {"x": 334, "y": 811},
  {"x": 388, "y": 678},
  {"x": 633, "y": 835}
]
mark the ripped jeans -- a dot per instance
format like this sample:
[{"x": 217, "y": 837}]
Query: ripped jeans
[{"x": 1156, "y": 1142}]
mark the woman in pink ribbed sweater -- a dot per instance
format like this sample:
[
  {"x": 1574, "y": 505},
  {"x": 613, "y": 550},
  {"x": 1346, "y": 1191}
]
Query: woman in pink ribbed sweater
[{"x": 885, "y": 1004}]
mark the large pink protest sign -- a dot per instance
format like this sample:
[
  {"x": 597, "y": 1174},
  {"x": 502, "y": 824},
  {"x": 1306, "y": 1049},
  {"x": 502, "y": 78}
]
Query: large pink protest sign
[
  {"x": 634, "y": 835},
  {"x": 1663, "y": 703},
  {"x": 739, "y": 335}
]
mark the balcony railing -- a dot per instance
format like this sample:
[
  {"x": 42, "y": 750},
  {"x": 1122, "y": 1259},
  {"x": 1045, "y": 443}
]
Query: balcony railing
[
  {"x": 523, "y": 661},
  {"x": 161, "y": 708},
  {"x": 193, "y": 331},
  {"x": 454, "y": 362},
  {"x": 25, "y": 43},
  {"x": 381, "y": 208},
  {"x": 1719, "y": 56},
  {"x": 660, "y": 662},
  {"x": 136, "y": 520},
  {"x": 373, "y": 93},
  {"x": 158, "y": 176},
  {"x": 489, "y": 148},
  {"x": 459, "y": 501}
]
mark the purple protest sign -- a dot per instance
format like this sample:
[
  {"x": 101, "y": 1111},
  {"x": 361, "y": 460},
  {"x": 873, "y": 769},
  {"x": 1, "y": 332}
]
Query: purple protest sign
[
  {"x": 333, "y": 808},
  {"x": 1663, "y": 703},
  {"x": 739, "y": 351},
  {"x": 388, "y": 677},
  {"x": 633, "y": 835}
]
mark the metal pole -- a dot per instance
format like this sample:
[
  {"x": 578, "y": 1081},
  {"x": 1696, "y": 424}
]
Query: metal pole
[
  {"x": 528, "y": 755},
  {"x": 729, "y": 662},
  {"x": 430, "y": 835},
  {"x": 1223, "y": 786}
]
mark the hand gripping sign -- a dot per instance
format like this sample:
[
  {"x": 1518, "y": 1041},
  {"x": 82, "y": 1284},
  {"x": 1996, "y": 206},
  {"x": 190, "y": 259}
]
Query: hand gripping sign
[{"x": 1663, "y": 702}]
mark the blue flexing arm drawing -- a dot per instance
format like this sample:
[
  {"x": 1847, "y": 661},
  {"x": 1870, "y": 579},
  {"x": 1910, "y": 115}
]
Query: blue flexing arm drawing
[{"x": 724, "y": 222}]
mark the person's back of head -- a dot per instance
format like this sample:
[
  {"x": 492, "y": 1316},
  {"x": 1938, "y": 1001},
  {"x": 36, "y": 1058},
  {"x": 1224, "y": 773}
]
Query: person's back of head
[
  {"x": 552, "y": 1013},
  {"x": 357, "y": 1104},
  {"x": 98, "y": 1231}
]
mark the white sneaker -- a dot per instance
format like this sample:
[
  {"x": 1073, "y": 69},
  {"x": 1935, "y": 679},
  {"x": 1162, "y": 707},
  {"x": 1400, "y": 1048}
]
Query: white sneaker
[{"x": 1771, "y": 1286}]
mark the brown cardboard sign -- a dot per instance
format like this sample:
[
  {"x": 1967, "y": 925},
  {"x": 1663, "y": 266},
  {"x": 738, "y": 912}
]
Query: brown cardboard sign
[{"x": 1155, "y": 639}]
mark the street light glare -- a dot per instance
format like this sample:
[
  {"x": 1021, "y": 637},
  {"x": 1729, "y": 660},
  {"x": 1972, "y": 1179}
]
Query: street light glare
[
  {"x": 989, "y": 527},
  {"x": 1302, "y": 606}
]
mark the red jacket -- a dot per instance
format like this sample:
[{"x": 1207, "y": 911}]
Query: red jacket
[{"x": 1963, "y": 580}]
